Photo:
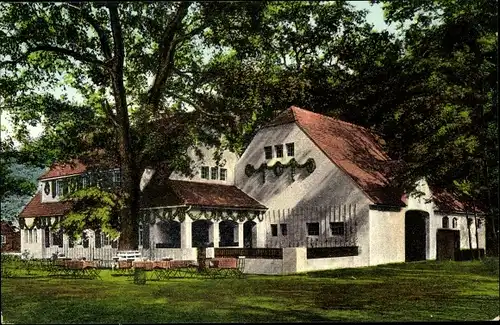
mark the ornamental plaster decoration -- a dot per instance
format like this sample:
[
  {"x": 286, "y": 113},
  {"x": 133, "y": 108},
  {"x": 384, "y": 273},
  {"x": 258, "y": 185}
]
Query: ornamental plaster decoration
[
  {"x": 28, "y": 222},
  {"x": 278, "y": 168}
]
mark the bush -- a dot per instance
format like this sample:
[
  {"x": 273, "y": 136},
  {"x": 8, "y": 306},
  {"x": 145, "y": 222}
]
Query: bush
[{"x": 491, "y": 264}]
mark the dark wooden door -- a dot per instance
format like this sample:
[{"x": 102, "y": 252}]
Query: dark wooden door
[
  {"x": 447, "y": 242},
  {"x": 415, "y": 236}
]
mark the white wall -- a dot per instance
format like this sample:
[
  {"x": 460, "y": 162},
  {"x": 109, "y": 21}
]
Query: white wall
[
  {"x": 325, "y": 187},
  {"x": 228, "y": 161},
  {"x": 387, "y": 237},
  {"x": 462, "y": 227}
]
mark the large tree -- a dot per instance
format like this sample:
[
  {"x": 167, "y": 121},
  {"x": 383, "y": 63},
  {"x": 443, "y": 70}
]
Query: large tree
[
  {"x": 156, "y": 78},
  {"x": 128, "y": 62}
]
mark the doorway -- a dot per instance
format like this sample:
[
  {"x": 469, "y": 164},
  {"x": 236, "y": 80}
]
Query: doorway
[
  {"x": 447, "y": 244},
  {"x": 415, "y": 235},
  {"x": 249, "y": 233}
]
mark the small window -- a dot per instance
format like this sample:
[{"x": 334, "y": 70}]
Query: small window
[
  {"x": 284, "y": 230},
  {"x": 30, "y": 236},
  {"x": 35, "y": 235},
  {"x": 140, "y": 235},
  {"x": 479, "y": 224},
  {"x": 290, "y": 150},
  {"x": 313, "y": 228},
  {"x": 469, "y": 221},
  {"x": 445, "y": 222},
  {"x": 47, "y": 237},
  {"x": 268, "y": 152},
  {"x": 4, "y": 240},
  {"x": 454, "y": 222},
  {"x": 213, "y": 172},
  {"x": 57, "y": 238},
  {"x": 274, "y": 230},
  {"x": 117, "y": 179},
  {"x": 337, "y": 228},
  {"x": 223, "y": 174},
  {"x": 204, "y": 172},
  {"x": 105, "y": 240},
  {"x": 59, "y": 187},
  {"x": 279, "y": 150},
  {"x": 26, "y": 235}
]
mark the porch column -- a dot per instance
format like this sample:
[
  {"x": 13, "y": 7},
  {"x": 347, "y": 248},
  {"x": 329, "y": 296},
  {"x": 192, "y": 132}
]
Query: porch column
[
  {"x": 213, "y": 233},
  {"x": 186, "y": 233},
  {"x": 260, "y": 234},
  {"x": 240, "y": 234}
]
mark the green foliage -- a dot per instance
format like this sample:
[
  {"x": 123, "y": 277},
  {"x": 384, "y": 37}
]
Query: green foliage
[
  {"x": 427, "y": 291},
  {"x": 94, "y": 209}
]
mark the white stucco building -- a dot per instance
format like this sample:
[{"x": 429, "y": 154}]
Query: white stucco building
[{"x": 307, "y": 184}]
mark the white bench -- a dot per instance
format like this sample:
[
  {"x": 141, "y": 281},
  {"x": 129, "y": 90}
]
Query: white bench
[{"x": 125, "y": 256}]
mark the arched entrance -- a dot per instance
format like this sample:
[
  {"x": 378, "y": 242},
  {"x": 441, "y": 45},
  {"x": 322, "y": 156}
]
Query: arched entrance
[
  {"x": 200, "y": 233},
  {"x": 415, "y": 235},
  {"x": 169, "y": 234},
  {"x": 249, "y": 234},
  {"x": 227, "y": 229}
]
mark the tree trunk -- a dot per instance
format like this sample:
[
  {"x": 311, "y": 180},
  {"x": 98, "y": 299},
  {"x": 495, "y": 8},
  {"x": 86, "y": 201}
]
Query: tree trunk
[
  {"x": 475, "y": 223},
  {"x": 468, "y": 229},
  {"x": 130, "y": 180}
]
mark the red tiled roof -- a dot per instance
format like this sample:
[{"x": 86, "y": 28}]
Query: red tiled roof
[
  {"x": 352, "y": 148},
  {"x": 448, "y": 202},
  {"x": 59, "y": 170},
  {"x": 35, "y": 208},
  {"x": 174, "y": 192}
]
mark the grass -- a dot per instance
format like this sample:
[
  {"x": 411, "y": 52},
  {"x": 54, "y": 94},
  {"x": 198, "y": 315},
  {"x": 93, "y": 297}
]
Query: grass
[{"x": 420, "y": 291}]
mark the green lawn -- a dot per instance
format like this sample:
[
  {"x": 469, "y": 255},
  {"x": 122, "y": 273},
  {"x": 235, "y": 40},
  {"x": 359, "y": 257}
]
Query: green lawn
[{"x": 421, "y": 291}]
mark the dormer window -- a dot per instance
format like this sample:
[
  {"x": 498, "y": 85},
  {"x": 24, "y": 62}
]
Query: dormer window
[
  {"x": 268, "y": 152},
  {"x": 290, "y": 149},
  {"x": 279, "y": 150},
  {"x": 204, "y": 172},
  {"x": 223, "y": 174},
  {"x": 213, "y": 173}
]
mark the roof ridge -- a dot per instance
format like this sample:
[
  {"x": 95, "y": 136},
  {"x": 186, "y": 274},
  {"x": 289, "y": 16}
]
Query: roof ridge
[{"x": 330, "y": 117}]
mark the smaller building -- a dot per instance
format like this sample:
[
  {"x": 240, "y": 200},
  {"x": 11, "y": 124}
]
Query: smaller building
[{"x": 11, "y": 237}]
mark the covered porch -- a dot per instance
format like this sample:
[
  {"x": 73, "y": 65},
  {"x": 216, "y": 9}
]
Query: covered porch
[{"x": 185, "y": 215}]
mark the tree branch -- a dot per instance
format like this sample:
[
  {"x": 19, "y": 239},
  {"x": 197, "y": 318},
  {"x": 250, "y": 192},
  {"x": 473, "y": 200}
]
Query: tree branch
[
  {"x": 166, "y": 54},
  {"x": 190, "y": 102},
  {"x": 84, "y": 57}
]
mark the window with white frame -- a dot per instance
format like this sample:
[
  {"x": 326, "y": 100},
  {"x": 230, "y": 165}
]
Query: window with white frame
[
  {"x": 268, "y": 152},
  {"x": 312, "y": 228},
  {"x": 214, "y": 173},
  {"x": 30, "y": 236},
  {"x": 290, "y": 149},
  {"x": 59, "y": 187},
  {"x": 35, "y": 235},
  {"x": 454, "y": 223},
  {"x": 4, "y": 239},
  {"x": 279, "y": 150},
  {"x": 479, "y": 223},
  {"x": 204, "y": 172},
  {"x": 223, "y": 174}
]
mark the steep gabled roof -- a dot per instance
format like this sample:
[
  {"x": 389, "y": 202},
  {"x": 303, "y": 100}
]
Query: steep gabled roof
[
  {"x": 447, "y": 202},
  {"x": 175, "y": 192},
  {"x": 35, "y": 208},
  {"x": 60, "y": 170},
  {"x": 352, "y": 148}
]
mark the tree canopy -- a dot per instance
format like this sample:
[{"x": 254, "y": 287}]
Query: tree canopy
[{"x": 157, "y": 77}]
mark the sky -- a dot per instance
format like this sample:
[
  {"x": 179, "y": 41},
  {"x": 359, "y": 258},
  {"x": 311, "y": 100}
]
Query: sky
[{"x": 375, "y": 17}]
